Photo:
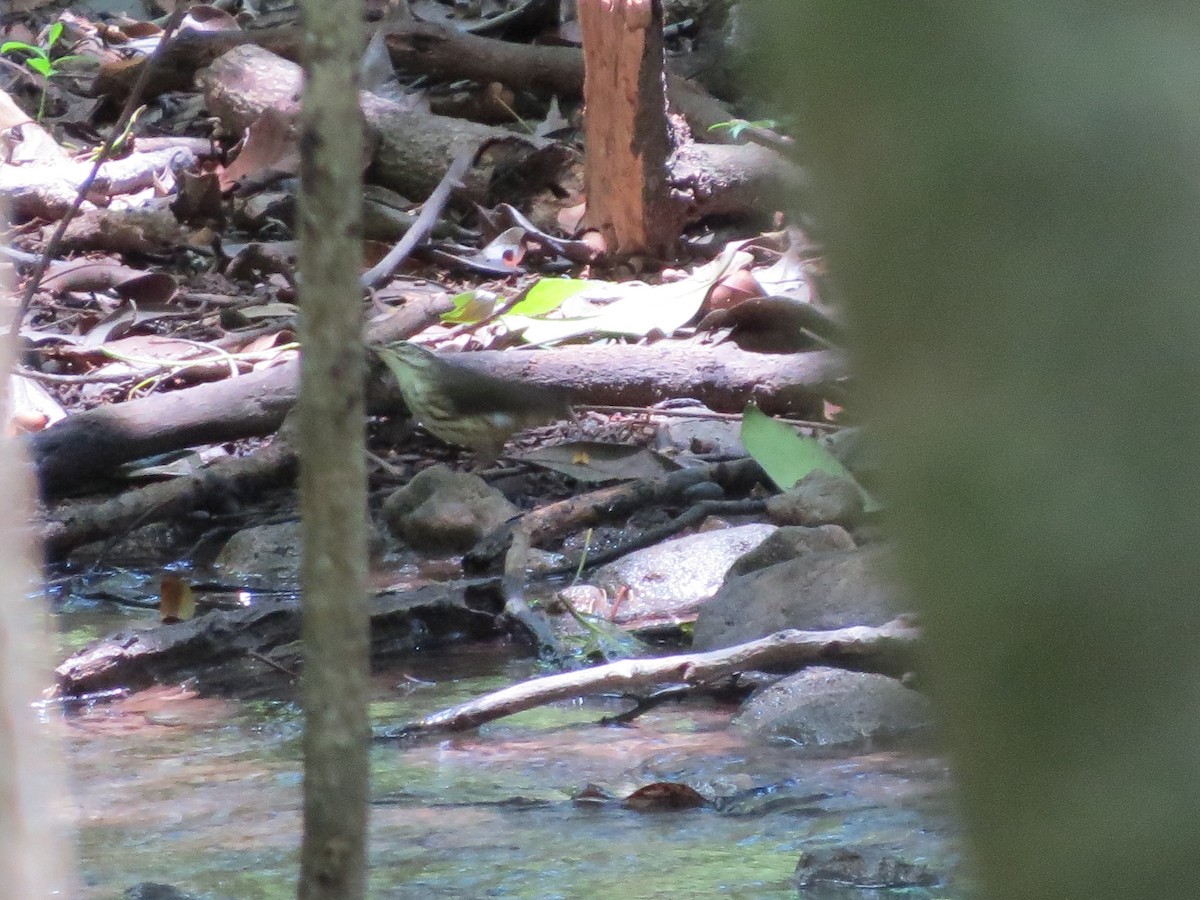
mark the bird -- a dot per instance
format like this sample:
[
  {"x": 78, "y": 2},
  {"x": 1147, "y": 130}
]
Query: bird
[{"x": 467, "y": 408}]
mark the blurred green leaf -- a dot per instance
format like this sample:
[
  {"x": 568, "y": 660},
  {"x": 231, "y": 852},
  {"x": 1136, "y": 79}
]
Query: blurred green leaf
[
  {"x": 548, "y": 295},
  {"x": 10, "y": 46},
  {"x": 787, "y": 457},
  {"x": 470, "y": 307}
]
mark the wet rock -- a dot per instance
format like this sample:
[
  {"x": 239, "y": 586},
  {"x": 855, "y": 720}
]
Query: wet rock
[
  {"x": 790, "y": 542},
  {"x": 814, "y": 592},
  {"x": 148, "y": 890},
  {"x": 667, "y": 583},
  {"x": 867, "y": 869},
  {"x": 147, "y": 546},
  {"x": 263, "y": 555},
  {"x": 818, "y": 498},
  {"x": 822, "y": 707},
  {"x": 445, "y": 513}
]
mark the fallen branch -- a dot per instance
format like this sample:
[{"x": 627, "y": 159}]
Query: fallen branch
[
  {"x": 614, "y": 502},
  {"x": 90, "y": 444},
  {"x": 242, "y": 477},
  {"x": 887, "y": 650}
]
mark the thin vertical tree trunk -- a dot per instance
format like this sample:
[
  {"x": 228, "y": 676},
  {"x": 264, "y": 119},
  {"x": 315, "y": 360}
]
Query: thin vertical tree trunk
[
  {"x": 625, "y": 128},
  {"x": 332, "y": 460}
]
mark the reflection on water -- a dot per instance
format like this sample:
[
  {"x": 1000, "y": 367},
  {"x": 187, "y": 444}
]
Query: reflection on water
[{"x": 204, "y": 794}]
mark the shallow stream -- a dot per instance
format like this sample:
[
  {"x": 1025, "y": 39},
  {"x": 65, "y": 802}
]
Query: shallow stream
[{"x": 204, "y": 794}]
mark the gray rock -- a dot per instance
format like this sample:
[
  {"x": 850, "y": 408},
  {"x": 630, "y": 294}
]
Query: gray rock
[
  {"x": 823, "y": 707},
  {"x": 817, "y": 591},
  {"x": 148, "y": 546},
  {"x": 857, "y": 450},
  {"x": 700, "y": 436},
  {"x": 818, "y": 498},
  {"x": 667, "y": 583},
  {"x": 790, "y": 542},
  {"x": 263, "y": 555},
  {"x": 441, "y": 512}
]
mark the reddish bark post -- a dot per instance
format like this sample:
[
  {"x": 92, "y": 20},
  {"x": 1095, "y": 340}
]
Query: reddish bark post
[{"x": 625, "y": 126}]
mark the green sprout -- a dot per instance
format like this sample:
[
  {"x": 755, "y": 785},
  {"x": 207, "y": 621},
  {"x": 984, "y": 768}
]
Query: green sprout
[{"x": 38, "y": 60}]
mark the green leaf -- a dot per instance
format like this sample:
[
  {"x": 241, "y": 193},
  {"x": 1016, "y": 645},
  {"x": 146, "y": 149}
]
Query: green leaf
[
  {"x": 470, "y": 307},
  {"x": 787, "y": 457},
  {"x": 548, "y": 295},
  {"x": 41, "y": 65},
  {"x": 638, "y": 309},
  {"x": 10, "y": 46},
  {"x": 54, "y": 34}
]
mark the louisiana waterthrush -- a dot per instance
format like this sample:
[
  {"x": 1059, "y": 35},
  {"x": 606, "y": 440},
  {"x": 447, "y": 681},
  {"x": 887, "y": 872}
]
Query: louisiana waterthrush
[{"x": 469, "y": 408}]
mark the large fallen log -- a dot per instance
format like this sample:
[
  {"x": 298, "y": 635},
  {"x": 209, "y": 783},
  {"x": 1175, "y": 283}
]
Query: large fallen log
[
  {"x": 412, "y": 148},
  {"x": 426, "y": 48},
  {"x": 91, "y": 444}
]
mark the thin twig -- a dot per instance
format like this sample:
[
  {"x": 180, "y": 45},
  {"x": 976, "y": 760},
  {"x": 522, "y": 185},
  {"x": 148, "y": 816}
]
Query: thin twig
[
  {"x": 691, "y": 516},
  {"x": 685, "y": 413},
  {"x": 51, "y": 378},
  {"x": 431, "y": 210}
]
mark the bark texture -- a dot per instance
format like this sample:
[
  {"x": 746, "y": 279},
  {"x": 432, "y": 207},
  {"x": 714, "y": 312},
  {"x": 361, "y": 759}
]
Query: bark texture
[
  {"x": 625, "y": 127},
  {"x": 333, "y": 489}
]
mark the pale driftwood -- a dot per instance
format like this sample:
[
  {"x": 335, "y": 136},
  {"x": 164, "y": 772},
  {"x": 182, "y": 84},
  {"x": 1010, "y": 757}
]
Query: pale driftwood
[
  {"x": 431, "y": 211},
  {"x": 734, "y": 180},
  {"x": 723, "y": 377},
  {"x": 93, "y": 443},
  {"x": 428, "y": 48},
  {"x": 614, "y": 502},
  {"x": 887, "y": 649}
]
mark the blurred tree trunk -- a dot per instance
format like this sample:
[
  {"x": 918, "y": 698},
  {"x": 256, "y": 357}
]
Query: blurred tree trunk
[
  {"x": 33, "y": 804},
  {"x": 332, "y": 459},
  {"x": 1010, "y": 198},
  {"x": 625, "y": 128}
]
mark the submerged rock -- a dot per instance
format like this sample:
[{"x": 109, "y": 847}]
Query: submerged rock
[
  {"x": 265, "y": 556},
  {"x": 868, "y": 870},
  {"x": 149, "y": 890}
]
